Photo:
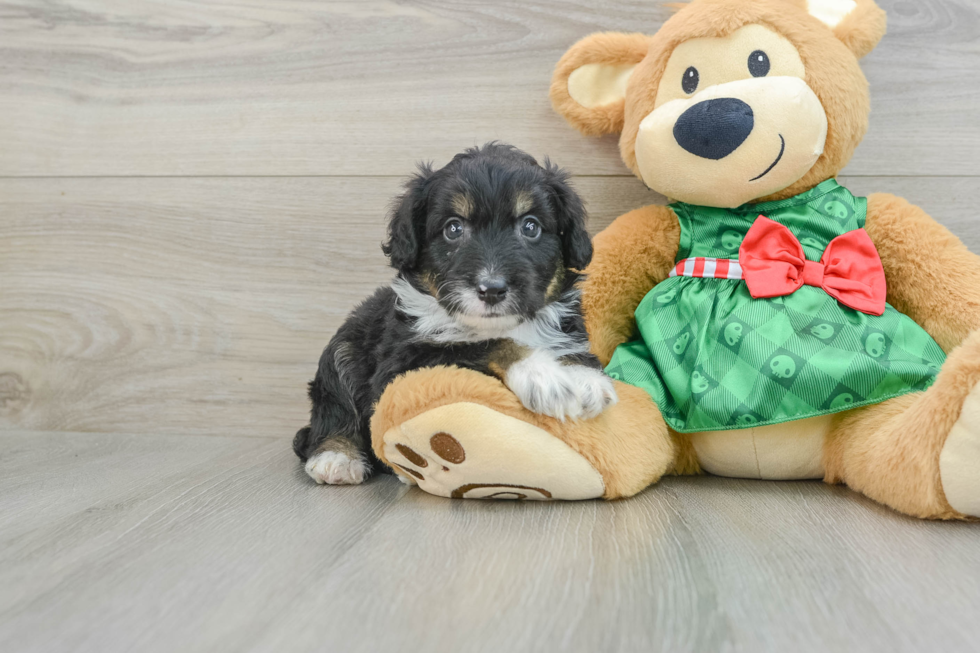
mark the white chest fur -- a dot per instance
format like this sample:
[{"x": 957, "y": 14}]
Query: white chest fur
[{"x": 542, "y": 332}]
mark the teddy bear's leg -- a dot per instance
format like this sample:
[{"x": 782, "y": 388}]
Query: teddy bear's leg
[
  {"x": 458, "y": 433},
  {"x": 918, "y": 453}
]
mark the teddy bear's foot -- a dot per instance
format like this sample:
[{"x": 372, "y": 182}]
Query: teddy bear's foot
[
  {"x": 469, "y": 451},
  {"x": 918, "y": 453},
  {"x": 959, "y": 461},
  {"x": 459, "y": 433}
]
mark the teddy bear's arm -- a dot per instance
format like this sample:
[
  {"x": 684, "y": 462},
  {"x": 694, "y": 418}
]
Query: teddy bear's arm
[
  {"x": 932, "y": 277},
  {"x": 632, "y": 255}
]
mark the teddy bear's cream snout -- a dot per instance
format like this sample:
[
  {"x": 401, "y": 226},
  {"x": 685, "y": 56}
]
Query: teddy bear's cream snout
[{"x": 754, "y": 136}]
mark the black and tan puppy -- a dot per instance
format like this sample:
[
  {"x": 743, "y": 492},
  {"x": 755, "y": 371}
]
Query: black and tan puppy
[{"x": 487, "y": 251}]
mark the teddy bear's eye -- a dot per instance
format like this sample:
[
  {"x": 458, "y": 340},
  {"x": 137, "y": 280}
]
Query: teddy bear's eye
[
  {"x": 690, "y": 80},
  {"x": 759, "y": 63}
]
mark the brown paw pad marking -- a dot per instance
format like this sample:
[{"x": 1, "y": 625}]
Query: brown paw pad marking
[
  {"x": 511, "y": 491},
  {"x": 447, "y": 447},
  {"x": 413, "y": 456},
  {"x": 410, "y": 471}
]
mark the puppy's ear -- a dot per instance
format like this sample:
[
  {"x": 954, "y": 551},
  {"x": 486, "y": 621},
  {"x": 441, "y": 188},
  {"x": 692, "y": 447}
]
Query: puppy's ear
[
  {"x": 406, "y": 226},
  {"x": 576, "y": 244}
]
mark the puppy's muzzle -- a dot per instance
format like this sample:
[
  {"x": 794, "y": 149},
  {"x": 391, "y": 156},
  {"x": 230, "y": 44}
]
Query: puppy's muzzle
[{"x": 492, "y": 291}]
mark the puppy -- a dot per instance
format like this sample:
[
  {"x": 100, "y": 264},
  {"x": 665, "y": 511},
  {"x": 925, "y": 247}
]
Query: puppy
[{"x": 487, "y": 251}]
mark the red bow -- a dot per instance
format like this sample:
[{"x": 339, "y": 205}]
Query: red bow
[{"x": 774, "y": 265}]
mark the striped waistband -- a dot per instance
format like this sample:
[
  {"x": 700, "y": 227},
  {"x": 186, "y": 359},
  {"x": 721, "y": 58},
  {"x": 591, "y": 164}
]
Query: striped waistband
[{"x": 708, "y": 268}]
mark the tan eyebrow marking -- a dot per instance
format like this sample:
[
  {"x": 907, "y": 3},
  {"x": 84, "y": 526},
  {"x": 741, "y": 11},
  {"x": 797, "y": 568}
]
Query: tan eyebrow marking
[
  {"x": 429, "y": 281},
  {"x": 523, "y": 203},
  {"x": 462, "y": 205}
]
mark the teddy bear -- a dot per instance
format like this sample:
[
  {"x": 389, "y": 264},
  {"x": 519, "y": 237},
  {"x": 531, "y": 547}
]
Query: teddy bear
[{"x": 766, "y": 323}]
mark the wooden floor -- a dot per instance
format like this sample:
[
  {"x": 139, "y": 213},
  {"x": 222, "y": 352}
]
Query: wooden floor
[
  {"x": 192, "y": 196},
  {"x": 114, "y": 542}
]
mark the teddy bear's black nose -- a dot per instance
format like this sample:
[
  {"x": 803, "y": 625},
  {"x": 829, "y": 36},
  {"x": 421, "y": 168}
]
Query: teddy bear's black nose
[{"x": 713, "y": 129}]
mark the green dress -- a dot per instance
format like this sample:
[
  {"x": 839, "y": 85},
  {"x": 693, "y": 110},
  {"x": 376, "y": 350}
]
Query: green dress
[{"x": 714, "y": 358}]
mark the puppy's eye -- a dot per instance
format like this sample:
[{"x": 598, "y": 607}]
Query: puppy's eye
[
  {"x": 690, "y": 80},
  {"x": 759, "y": 63},
  {"x": 530, "y": 228},
  {"x": 453, "y": 229}
]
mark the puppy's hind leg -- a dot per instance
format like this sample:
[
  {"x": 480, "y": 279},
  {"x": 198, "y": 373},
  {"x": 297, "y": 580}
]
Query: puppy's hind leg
[
  {"x": 338, "y": 462},
  {"x": 332, "y": 447}
]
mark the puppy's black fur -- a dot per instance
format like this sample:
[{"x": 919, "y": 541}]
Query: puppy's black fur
[{"x": 462, "y": 237}]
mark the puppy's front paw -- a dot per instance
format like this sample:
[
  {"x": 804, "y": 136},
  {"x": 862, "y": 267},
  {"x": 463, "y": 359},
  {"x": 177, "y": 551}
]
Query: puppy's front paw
[
  {"x": 336, "y": 468},
  {"x": 545, "y": 391},
  {"x": 563, "y": 391},
  {"x": 594, "y": 389}
]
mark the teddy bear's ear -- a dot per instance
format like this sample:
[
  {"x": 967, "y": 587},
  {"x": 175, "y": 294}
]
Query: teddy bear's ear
[
  {"x": 860, "y": 24},
  {"x": 589, "y": 84}
]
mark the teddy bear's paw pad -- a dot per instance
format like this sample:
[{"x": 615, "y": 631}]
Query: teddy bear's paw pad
[
  {"x": 469, "y": 451},
  {"x": 959, "y": 462}
]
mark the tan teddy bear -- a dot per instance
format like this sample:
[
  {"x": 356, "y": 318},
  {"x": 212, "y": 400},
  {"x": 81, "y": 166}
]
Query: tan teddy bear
[{"x": 767, "y": 323}]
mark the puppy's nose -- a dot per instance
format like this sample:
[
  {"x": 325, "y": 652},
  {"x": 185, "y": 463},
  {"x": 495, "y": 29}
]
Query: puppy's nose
[
  {"x": 492, "y": 291},
  {"x": 713, "y": 129}
]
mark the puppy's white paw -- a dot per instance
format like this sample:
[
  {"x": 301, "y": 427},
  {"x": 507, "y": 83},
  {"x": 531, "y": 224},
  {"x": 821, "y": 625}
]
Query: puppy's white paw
[
  {"x": 563, "y": 391},
  {"x": 544, "y": 387},
  {"x": 594, "y": 389},
  {"x": 336, "y": 468}
]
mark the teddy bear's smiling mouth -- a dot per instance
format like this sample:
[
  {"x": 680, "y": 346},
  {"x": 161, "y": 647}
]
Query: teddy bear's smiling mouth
[{"x": 782, "y": 149}]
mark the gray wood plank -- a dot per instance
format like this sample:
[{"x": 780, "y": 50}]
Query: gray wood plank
[
  {"x": 362, "y": 88},
  {"x": 202, "y": 305},
  {"x": 163, "y": 543}
]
